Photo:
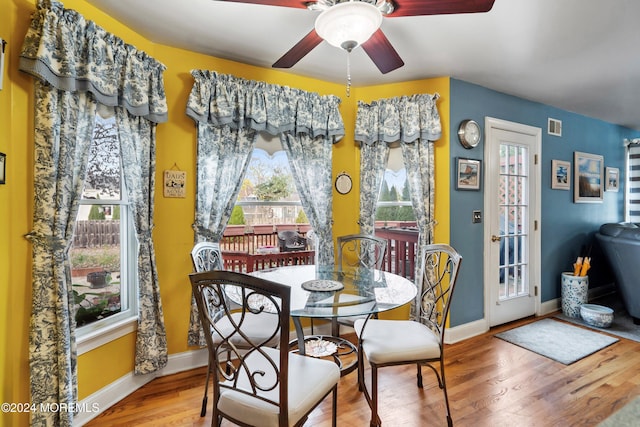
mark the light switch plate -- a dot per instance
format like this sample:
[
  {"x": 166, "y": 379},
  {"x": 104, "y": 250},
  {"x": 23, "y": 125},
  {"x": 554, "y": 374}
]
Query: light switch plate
[{"x": 477, "y": 217}]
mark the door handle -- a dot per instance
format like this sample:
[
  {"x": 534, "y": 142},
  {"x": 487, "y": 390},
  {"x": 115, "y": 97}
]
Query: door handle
[{"x": 495, "y": 238}]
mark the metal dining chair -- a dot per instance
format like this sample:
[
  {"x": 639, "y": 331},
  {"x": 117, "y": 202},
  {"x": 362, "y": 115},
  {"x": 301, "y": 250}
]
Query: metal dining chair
[
  {"x": 419, "y": 340},
  {"x": 358, "y": 251},
  {"x": 258, "y": 385},
  {"x": 207, "y": 256}
]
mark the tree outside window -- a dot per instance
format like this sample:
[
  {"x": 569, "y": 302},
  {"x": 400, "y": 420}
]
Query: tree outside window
[
  {"x": 394, "y": 202},
  {"x": 268, "y": 194}
]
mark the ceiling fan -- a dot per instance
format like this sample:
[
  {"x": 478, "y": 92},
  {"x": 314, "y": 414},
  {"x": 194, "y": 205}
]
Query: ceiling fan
[{"x": 336, "y": 24}]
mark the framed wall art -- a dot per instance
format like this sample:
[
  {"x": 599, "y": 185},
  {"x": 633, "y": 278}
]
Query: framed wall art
[
  {"x": 3, "y": 167},
  {"x": 175, "y": 183},
  {"x": 613, "y": 179},
  {"x": 588, "y": 186},
  {"x": 560, "y": 175},
  {"x": 468, "y": 174}
]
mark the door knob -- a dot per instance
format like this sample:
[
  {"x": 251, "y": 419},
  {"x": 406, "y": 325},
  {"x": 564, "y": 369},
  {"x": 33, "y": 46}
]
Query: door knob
[{"x": 495, "y": 238}]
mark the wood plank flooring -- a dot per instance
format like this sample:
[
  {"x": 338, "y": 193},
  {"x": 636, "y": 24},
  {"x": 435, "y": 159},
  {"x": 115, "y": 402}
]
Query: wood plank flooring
[{"x": 491, "y": 383}]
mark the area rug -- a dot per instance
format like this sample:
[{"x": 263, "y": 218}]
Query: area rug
[
  {"x": 628, "y": 416},
  {"x": 556, "y": 340},
  {"x": 622, "y": 325}
]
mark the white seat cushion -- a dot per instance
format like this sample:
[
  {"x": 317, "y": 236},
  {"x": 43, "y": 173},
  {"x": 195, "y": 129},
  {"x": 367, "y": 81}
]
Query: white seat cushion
[
  {"x": 309, "y": 380},
  {"x": 257, "y": 327},
  {"x": 389, "y": 341}
]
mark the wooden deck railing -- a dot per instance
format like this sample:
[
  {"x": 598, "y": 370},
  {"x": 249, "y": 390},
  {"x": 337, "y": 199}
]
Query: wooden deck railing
[
  {"x": 240, "y": 247},
  {"x": 237, "y": 238},
  {"x": 401, "y": 250},
  {"x": 246, "y": 262}
]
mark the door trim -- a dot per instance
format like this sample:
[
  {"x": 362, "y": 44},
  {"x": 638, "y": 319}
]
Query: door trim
[{"x": 492, "y": 125}]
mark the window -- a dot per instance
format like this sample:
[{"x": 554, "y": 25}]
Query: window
[
  {"x": 394, "y": 202},
  {"x": 268, "y": 195},
  {"x": 632, "y": 204},
  {"x": 103, "y": 253}
]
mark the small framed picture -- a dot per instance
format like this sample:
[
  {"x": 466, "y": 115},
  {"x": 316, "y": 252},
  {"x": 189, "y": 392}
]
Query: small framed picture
[
  {"x": 560, "y": 175},
  {"x": 468, "y": 174},
  {"x": 589, "y": 177},
  {"x": 613, "y": 179},
  {"x": 174, "y": 183},
  {"x": 3, "y": 167}
]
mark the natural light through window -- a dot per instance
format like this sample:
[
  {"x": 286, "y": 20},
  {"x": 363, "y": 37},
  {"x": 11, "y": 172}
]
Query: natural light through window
[
  {"x": 394, "y": 203},
  {"x": 103, "y": 255},
  {"x": 268, "y": 194}
]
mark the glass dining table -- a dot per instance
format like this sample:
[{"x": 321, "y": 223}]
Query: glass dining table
[{"x": 324, "y": 293}]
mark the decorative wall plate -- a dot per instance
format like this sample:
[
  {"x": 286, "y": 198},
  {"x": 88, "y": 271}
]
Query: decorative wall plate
[{"x": 343, "y": 183}]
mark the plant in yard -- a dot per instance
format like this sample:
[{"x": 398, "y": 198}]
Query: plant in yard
[{"x": 91, "y": 306}]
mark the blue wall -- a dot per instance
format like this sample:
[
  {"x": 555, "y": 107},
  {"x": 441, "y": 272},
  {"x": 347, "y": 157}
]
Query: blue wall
[{"x": 566, "y": 226}]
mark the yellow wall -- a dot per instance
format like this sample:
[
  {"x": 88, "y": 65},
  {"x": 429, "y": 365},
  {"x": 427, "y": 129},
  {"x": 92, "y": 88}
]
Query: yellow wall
[
  {"x": 16, "y": 140},
  {"x": 173, "y": 236}
]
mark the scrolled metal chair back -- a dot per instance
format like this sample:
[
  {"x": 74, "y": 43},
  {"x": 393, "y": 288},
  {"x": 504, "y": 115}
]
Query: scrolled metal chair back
[
  {"x": 234, "y": 367},
  {"x": 207, "y": 256},
  {"x": 361, "y": 251},
  {"x": 439, "y": 272}
]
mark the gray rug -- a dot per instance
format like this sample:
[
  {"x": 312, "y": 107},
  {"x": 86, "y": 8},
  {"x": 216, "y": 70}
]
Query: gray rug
[
  {"x": 622, "y": 325},
  {"x": 557, "y": 340},
  {"x": 628, "y": 416}
]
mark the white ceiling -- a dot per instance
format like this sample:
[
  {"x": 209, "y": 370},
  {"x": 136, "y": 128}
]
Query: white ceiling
[{"x": 578, "y": 55}]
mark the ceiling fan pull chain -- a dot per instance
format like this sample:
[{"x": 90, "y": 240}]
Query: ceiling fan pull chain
[{"x": 348, "y": 73}]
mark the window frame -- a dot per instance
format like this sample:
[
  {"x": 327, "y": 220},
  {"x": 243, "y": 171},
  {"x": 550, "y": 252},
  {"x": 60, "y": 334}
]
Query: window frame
[{"x": 103, "y": 331}]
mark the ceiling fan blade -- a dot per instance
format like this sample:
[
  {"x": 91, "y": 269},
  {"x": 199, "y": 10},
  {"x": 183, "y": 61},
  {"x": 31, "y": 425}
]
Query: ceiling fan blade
[
  {"x": 379, "y": 49},
  {"x": 284, "y": 3},
  {"x": 439, "y": 7},
  {"x": 297, "y": 52}
]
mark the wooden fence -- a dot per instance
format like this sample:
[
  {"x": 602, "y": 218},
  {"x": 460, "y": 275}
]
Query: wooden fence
[{"x": 96, "y": 233}]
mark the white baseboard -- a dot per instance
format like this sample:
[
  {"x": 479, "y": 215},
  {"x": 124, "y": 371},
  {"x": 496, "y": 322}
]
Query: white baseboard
[
  {"x": 463, "y": 332},
  {"x": 124, "y": 386},
  {"x": 548, "y": 307}
]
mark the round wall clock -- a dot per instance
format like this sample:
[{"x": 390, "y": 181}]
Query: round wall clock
[
  {"x": 469, "y": 133},
  {"x": 343, "y": 183}
]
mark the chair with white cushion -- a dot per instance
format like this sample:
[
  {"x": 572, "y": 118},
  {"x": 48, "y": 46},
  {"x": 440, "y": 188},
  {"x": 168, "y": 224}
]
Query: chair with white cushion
[
  {"x": 258, "y": 385},
  {"x": 420, "y": 340},
  {"x": 207, "y": 256}
]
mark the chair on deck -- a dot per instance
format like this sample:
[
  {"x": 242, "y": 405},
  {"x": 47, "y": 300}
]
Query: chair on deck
[
  {"x": 290, "y": 240},
  {"x": 260, "y": 385},
  {"x": 358, "y": 251},
  {"x": 419, "y": 341},
  {"x": 207, "y": 256}
]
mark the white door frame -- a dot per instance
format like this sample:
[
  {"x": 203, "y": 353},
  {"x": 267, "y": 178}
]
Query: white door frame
[{"x": 491, "y": 125}]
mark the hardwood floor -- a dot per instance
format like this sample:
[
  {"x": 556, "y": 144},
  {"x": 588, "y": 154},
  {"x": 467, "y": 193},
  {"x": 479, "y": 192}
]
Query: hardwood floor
[{"x": 490, "y": 383}]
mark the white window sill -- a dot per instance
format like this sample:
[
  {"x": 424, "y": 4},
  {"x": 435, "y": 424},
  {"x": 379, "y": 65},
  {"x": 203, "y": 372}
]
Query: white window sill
[{"x": 106, "y": 334}]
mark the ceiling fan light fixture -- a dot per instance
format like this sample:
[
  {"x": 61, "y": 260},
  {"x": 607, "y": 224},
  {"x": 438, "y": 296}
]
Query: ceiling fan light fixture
[{"x": 348, "y": 25}]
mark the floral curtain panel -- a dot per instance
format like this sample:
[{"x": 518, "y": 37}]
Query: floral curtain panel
[
  {"x": 229, "y": 111},
  {"x": 413, "y": 122},
  {"x": 79, "y": 65}
]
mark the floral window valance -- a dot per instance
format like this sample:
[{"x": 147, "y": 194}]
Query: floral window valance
[
  {"x": 404, "y": 119},
  {"x": 226, "y": 100},
  {"x": 114, "y": 72}
]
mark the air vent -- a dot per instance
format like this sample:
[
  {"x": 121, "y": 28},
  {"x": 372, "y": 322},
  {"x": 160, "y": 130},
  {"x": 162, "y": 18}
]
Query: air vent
[{"x": 555, "y": 127}]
